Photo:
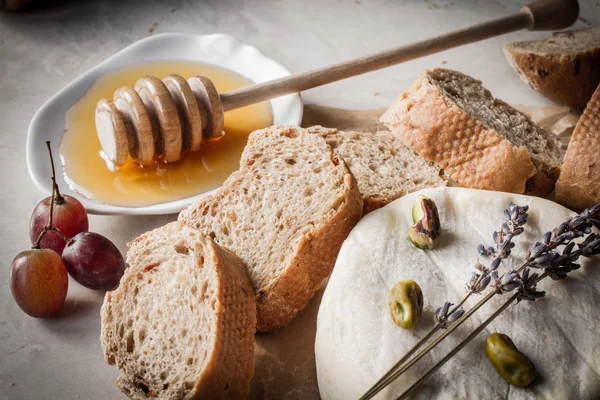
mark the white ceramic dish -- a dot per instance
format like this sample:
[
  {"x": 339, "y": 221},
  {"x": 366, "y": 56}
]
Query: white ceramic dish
[{"x": 225, "y": 51}]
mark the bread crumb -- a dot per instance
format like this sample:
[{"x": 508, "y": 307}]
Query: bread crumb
[
  {"x": 152, "y": 27},
  {"x": 443, "y": 62},
  {"x": 585, "y": 21},
  {"x": 356, "y": 1},
  {"x": 376, "y": 94}
]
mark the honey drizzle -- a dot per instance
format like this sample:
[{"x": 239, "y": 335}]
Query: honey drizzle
[{"x": 134, "y": 186}]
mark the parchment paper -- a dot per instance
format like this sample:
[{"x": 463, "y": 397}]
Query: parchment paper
[{"x": 285, "y": 360}]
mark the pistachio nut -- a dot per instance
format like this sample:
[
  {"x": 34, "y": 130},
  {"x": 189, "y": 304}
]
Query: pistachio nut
[
  {"x": 405, "y": 302},
  {"x": 426, "y": 230},
  {"x": 512, "y": 365}
]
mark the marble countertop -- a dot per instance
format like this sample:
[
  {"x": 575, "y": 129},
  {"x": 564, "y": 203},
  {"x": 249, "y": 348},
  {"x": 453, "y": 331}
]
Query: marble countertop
[{"x": 43, "y": 50}]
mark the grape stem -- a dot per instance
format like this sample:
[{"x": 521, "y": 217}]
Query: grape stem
[
  {"x": 59, "y": 199},
  {"x": 56, "y": 198}
]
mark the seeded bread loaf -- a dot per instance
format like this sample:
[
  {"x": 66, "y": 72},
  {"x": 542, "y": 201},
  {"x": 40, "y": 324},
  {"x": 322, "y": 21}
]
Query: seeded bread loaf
[
  {"x": 578, "y": 186},
  {"x": 285, "y": 213},
  {"x": 385, "y": 168},
  {"x": 181, "y": 323},
  {"x": 481, "y": 142},
  {"x": 565, "y": 67}
]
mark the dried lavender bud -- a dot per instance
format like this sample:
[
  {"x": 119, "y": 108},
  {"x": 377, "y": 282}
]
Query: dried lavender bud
[
  {"x": 568, "y": 248},
  {"x": 514, "y": 213},
  {"x": 547, "y": 237},
  {"x": 510, "y": 281},
  {"x": 483, "y": 283},
  {"x": 590, "y": 246},
  {"x": 507, "y": 283},
  {"x": 566, "y": 237},
  {"x": 563, "y": 227},
  {"x": 588, "y": 240},
  {"x": 472, "y": 283},
  {"x": 441, "y": 313},
  {"x": 521, "y": 220},
  {"x": 481, "y": 250},
  {"x": 498, "y": 237},
  {"x": 442, "y": 317},
  {"x": 542, "y": 260},
  {"x": 536, "y": 250},
  {"x": 495, "y": 263},
  {"x": 574, "y": 222},
  {"x": 477, "y": 283},
  {"x": 455, "y": 315}
]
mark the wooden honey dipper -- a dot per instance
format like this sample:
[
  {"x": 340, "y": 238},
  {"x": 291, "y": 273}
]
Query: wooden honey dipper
[{"x": 158, "y": 119}]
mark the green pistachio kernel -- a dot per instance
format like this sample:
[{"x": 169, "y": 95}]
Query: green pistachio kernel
[
  {"x": 405, "y": 302},
  {"x": 512, "y": 365},
  {"x": 426, "y": 230}
]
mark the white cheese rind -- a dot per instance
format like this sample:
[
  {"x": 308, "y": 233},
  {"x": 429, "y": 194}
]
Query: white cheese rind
[{"x": 357, "y": 341}]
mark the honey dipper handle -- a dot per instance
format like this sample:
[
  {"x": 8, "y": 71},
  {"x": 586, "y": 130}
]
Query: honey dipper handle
[{"x": 537, "y": 15}]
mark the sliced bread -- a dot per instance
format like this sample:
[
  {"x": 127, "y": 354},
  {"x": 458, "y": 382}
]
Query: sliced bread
[
  {"x": 385, "y": 168},
  {"x": 285, "y": 213},
  {"x": 181, "y": 323},
  {"x": 565, "y": 67},
  {"x": 481, "y": 142},
  {"x": 578, "y": 186}
]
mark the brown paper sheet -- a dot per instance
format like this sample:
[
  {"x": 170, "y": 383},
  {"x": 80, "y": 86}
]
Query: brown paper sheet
[{"x": 285, "y": 361}]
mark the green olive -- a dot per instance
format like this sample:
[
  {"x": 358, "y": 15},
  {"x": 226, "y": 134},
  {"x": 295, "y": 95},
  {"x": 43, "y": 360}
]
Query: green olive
[
  {"x": 405, "y": 302},
  {"x": 512, "y": 365}
]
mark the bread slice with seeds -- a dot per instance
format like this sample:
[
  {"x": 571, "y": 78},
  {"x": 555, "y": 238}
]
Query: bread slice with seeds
[
  {"x": 385, "y": 168},
  {"x": 181, "y": 323},
  {"x": 285, "y": 213},
  {"x": 480, "y": 141},
  {"x": 564, "y": 67}
]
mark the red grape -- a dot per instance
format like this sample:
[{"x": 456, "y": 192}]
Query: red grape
[
  {"x": 94, "y": 261},
  {"x": 69, "y": 217},
  {"x": 39, "y": 282}
]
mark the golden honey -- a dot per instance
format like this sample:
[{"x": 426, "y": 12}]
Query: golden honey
[{"x": 132, "y": 185}]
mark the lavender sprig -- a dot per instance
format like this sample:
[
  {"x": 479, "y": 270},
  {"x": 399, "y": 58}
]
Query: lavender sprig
[{"x": 514, "y": 218}]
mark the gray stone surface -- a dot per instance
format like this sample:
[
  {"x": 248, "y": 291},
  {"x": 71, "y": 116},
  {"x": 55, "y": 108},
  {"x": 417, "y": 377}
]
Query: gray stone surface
[{"x": 41, "y": 51}]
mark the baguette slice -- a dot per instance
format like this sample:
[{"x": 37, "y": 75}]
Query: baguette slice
[
  {"x": 565, "y": 67},
  {"x": 578, "y": 186},
  {"x": 481, "y": 142},
  {"x": 285, "y": 212},
  {"x": 385, "y": 168},
  {"x": 181, "y": 323}
]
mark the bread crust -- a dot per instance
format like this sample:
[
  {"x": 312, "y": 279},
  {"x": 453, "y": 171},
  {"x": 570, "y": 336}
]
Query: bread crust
[
  {"x": 227, "y": 375},
  {"x": 472, "y": 154},
  {"x": 230, "y": 363},
  {"x": 568, "y": 79},
  {"x": 578, "y": 186}
]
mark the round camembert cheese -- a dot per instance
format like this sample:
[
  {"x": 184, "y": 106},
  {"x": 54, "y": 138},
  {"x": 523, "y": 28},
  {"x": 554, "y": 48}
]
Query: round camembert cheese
[{"x": 357, "y": 341}]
